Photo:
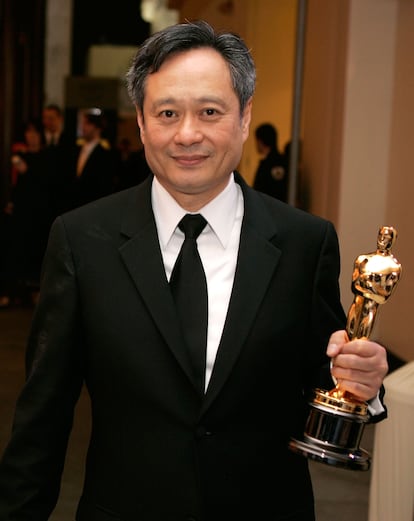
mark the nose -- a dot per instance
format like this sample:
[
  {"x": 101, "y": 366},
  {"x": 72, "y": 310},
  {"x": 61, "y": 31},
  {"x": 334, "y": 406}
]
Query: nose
[{"x": 188, "y": 131}]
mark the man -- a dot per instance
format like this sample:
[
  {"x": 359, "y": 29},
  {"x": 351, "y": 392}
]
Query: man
[
  {"x": 52, "y": 120},
  {"x": 59, "y": 150},
  {"x": 272, "y": 173},
  {"x": 161, "y": 448},
  {"x": 94, "y": 161}
]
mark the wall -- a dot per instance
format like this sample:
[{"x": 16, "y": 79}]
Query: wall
[
  {"x": 399, "y": 208},
  {"x": 271, "y": 34},
  {"x": 369, "y": 85},
  {"x": 323, "y": 103},
  {"x": 57, "y": 49},
  {"x": 357, "y": 138}
]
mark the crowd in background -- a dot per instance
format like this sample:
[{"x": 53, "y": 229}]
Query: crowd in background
[{"x": 53, "y": 172}]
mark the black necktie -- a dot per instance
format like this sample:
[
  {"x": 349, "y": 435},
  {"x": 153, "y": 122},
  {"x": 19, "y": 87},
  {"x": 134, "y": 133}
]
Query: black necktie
[{"x": 189, "y": 289}]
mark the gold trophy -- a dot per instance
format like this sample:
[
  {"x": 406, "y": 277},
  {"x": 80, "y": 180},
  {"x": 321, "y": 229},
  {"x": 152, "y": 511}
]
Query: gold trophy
[{"x": 336, "y": 419}]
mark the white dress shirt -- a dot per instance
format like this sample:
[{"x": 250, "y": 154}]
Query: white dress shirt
[
  {"x": 52, "y": 138},
  {"x": 218, "y": 246},
  {"x": 84, "y": 153}
]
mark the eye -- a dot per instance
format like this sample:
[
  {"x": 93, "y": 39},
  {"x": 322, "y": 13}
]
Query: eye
[
  {"x": 210, "y": 112},
  {"x": 168, "y": 113}
]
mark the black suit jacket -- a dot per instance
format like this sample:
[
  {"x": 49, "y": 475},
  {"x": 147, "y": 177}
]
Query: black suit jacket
[
  {"x": 272, "y": 175},
  {"x": 158, "y": 452},
  {"x": 97, "y": 177}
]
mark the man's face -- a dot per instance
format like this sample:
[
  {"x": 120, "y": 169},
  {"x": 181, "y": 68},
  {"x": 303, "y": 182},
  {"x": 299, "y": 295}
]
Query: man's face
[
  {"x": 261, "y": 148},
  {"x": 51, "y": 120},
  {"x": 89, "y": 131},
  {"x": 191, "y": 127}
]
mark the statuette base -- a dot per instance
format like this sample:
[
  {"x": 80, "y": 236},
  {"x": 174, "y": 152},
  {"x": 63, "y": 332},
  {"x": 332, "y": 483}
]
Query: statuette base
[{"x": 334, "y": 430}]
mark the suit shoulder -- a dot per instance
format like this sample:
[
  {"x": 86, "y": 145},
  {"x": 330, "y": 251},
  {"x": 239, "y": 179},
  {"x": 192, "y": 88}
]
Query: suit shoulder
[
  {"x": 106, "y": 211},
  {"x": 279, "y": 207},
  {"x": 290, "y": 223}
]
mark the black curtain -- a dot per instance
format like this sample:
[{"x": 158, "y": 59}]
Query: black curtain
[
  {"x": 22, "y": 31},
  {"x": 96, "y": 22}
]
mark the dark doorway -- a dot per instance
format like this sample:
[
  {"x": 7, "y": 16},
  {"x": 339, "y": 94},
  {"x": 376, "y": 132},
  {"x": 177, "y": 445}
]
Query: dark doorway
[{"x": 22, "y": 31}]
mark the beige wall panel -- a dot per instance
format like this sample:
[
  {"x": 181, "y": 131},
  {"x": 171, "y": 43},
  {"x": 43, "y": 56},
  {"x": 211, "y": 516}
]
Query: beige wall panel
[{"x": 396, "y": 327}]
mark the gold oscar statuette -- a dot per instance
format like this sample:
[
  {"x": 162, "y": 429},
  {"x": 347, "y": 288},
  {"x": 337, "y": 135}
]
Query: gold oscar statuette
[{"x": 336, "y": 419}]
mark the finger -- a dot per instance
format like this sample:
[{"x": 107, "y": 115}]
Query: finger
[
  {"x": 338, "y": 337},
  {"x": 350, "y": 370},
  {"x": 362, "y": 391},
  {"x": 362, "y": 347},
  {"x": 336, "y": 342}
]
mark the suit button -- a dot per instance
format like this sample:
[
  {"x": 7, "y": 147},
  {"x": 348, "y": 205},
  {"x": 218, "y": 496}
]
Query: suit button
[{"x": 202, "y": 432}]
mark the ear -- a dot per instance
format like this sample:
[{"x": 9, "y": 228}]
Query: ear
[
  {"x": 140, "y": 121},
  {"x": 246, "y": 118}
]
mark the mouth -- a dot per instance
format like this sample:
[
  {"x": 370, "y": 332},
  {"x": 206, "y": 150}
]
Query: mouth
[{"x": 189, "y": 160}]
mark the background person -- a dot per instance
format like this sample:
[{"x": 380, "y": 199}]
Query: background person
[
  {"x": 94, "y": 165},
  {"x": 53, "y": 126},
  {"x": 132, "y": 166},
  {"x": 271, "y": 176},
  {"x": 59, "y": 148},
  {"x": 27, "y": 222}
]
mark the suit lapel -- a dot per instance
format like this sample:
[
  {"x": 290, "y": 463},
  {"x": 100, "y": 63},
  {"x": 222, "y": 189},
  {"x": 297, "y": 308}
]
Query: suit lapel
[
  {"x": 143, "y": 259},
  {"x": 257, "y": 261}
]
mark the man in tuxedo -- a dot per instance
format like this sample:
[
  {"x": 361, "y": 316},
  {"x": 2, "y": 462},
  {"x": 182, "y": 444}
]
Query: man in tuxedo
[
  {"x": 163, "y": 447},
  {"x": 271, "y": 176},
  {"x": 94, "y": 163},
  {"x": 59, "y": 148},
  {"x": 54, "y": 133}
]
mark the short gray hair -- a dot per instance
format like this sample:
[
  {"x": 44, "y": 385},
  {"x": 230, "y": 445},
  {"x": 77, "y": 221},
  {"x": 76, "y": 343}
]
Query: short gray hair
[{"x": 186, "y": 36}]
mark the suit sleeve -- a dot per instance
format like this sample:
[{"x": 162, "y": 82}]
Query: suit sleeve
[
  {"x": 32, "y": 464},
  {"x": 327, "y": 311}
]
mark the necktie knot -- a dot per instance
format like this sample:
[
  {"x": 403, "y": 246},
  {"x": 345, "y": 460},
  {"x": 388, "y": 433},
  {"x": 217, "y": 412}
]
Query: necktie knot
[{"x": 192, "y": 225}]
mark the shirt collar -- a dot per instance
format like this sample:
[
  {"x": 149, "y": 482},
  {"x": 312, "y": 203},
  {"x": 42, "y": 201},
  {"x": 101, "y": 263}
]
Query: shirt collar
[
  {"x": 168, "y": 212},
  {"x": 90, "y": 144}
]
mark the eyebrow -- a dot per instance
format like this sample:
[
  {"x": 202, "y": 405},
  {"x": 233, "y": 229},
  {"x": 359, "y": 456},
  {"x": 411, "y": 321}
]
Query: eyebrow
[{"x": 203, "y": 99}]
